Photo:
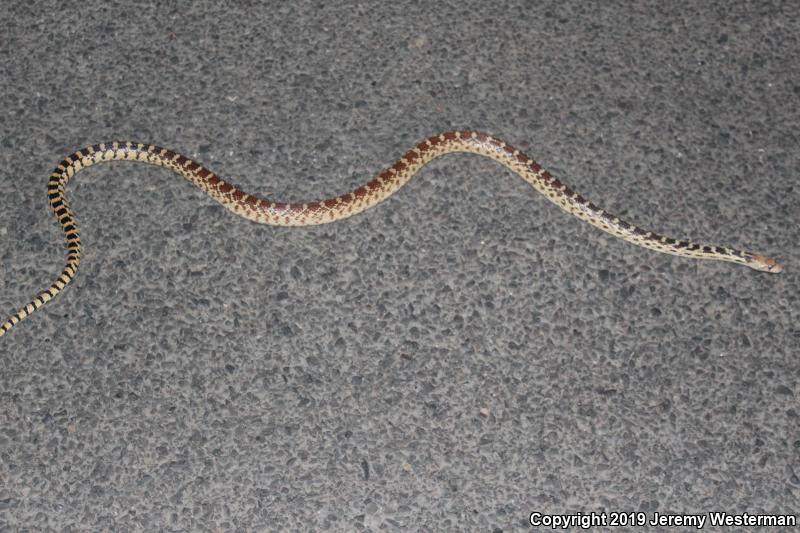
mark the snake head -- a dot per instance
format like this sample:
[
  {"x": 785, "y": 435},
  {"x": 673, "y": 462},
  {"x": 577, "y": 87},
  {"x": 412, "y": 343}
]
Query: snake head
[{"x": 765, "y": 264}]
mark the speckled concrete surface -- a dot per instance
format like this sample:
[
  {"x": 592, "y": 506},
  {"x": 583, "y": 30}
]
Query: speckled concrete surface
[{"x": 453, "y": 360}]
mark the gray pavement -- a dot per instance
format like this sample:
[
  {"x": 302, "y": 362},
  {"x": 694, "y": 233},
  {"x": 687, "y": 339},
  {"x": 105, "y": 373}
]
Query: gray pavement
[{"x": 455, "y": 359}]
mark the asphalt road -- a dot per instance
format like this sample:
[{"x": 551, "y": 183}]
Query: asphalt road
[{"x": 457, "y": 358}]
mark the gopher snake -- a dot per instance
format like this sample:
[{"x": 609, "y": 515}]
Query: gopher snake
[{"x": 384, "y": 185}]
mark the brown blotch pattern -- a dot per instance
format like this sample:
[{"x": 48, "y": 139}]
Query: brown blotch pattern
[{"x": 365, "y": 196}]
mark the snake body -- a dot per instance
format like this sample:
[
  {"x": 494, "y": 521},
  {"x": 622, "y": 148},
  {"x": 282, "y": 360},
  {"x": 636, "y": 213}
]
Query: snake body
[{"x": 368, "y": 195}]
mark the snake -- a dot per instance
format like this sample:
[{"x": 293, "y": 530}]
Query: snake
[{"x": 377, "y": 190}]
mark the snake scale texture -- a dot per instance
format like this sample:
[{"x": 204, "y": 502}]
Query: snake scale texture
[{"x": 372, "y": 193}]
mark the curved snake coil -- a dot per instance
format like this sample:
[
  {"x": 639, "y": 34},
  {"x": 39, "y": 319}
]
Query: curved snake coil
[{"x": 380, "y": 188}]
